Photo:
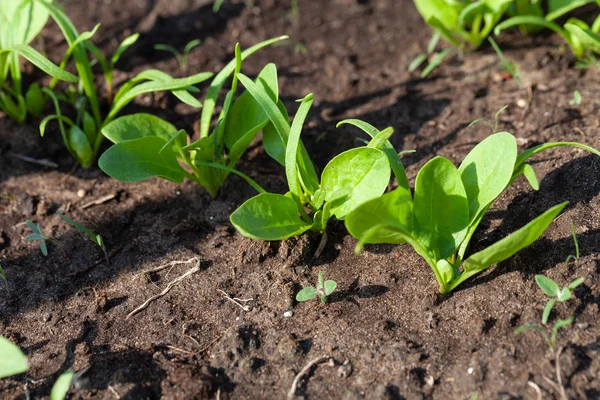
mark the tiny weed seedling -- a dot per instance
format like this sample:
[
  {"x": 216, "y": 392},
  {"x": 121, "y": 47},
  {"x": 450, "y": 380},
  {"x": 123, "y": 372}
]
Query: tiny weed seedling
[
  {"x": 576, "y": 100},
  {"x": 555, "y": 293},
  {"x": 3, "y": 276},
  {"x": 349, "y": 179},
  {"x": 182, "y": 58},
  {"x": 20, "y": 22},
  {"x": 146, "y": 146},
  {"x": 434, "y": 59},
  {"x": 510, "y": 67},
  {"x": 576, "y": 242},
  {"x": 324, "y": 288},
  {"x": 448, "y": 205},
  {"x": 93, "y": 237},
  {"x": 14, "y": 362},
  {"x": 551, "y": 288},
  {"x": 38, "y": 235}
]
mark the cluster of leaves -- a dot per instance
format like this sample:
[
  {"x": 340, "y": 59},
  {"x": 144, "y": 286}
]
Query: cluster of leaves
[
  {"x": 146, "y": 146},
  {"x": 324, "y": 288},
  {"x": 448, "y": 205},
  {"x": 552, "y": 290},
  {"x": 14, "y": 362}
]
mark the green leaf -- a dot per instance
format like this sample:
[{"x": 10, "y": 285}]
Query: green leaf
[
  {"x": 42, "y": 62},
  {"x": 62, "y": 385},
  {"x": 245, "y": 177},
  {"x": 273, "y": 143},
  {"x": 219, "y": 81},
  {"x": 508, "y": 246},
  {"x": 44, "y": 248},
  {"x": 246, "y": 114},
  {"x": 140, "y": 159},
  {"x": 524, "y": 156},
  {"x": 588, "y": 39},
  {"x": 306, "y": 294},
  {"x": 557, "y": 9},
  {"x": 487, "y": 170},
  {"x": 394, "y": 207},
  {"x": 81, "y": 228},
  {"x": 529, "y": 173},
  {"x": 535, "y": 328},
  {"x": 329, "y": 287},
  {"x": 320, "y": 281},
  {"x": 563, "y": 322},
  {"x": 365, "y": 171},
  {"x": 125, "y": 44},
  {"x": 548, "y": 310},
  {"x": 564, "y": 295},
  {"x": 269, "y": 216},
  {"x": 13, "y": 360},
  {"x": 34, "y": 100},
  {"x": 576, "y": 283},
  {"x": 136, "y": 126},
  {"x": 446, "y": 271},
  {"x": 547, "y": 285},
  {"x": 416, "y": 62},
  {"x": 80, "y": 146},
  {"x": 292, "y": 169},
  {"x": 441, "y": 209}
]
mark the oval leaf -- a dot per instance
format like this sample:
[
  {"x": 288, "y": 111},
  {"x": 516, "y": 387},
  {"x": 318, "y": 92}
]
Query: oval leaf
[
  {"x": 13, "y": 360},
  {"x": 269, "y": 216},
  {"x": 306, "y": 294},
  {"x": 135, "y": 126},
  {"x": 547, "y": 285}
]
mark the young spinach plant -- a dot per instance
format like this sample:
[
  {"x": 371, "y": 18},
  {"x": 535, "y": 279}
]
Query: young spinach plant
[
  {"x": 20, "y": 22},
  {"x": 576, "y": 242},
  {"x": 349, "y": 179},
  {"x": 324, "y": 288},
  {"x": 434, "y": 59},
  {"x": 93, "y": 237},
  {"x": 182, "y": 58},
  {"x": 147, "y": 146},
  {"x": 82, "y": 136},
  {"x": 449, "y": 203},
  {"x": 38, "y": 235},
  {"x": 555, "y": 293}
]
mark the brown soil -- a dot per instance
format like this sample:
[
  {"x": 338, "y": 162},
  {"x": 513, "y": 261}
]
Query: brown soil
[{"x": 389, "y": 333}]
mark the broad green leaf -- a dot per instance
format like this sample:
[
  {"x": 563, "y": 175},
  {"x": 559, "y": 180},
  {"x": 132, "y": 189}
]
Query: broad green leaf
[
  {"x": 487, "y": 170},
  {"x": 389, "y": 150},
  {"x": 23, "y": 20},
  {"x": 219, "y": 81},
  {"x": 394, "y": 207},
  {"x": 246, "y": 114},
  {"x": 588, "y": 39},
  {"x": 547, "y": 285},
  {"x": 306, "y": 294},
  {"x": 273, "y": 143},
  {"x": 441, "y": 209},
  {"x": 34, "y": 100},
  {"x": 269, "y": 216},
  {"x": 292, "y": 170},
  {"x": 13, "y": 360},
  {"x": 329, "y": 287},
  {"x": 558, "y": 8},
  {"x": 62, "y": 385},
  {"x": 80, "y": 146},
  {"x": 140, "y": 159},
  {"x": 508, "y": 246},
  {"x": 207, "y": 176},
  {"x": 531, "y": 20},
  {"x": 136, "y": 126},
  {"x": 365, "y": 171}
]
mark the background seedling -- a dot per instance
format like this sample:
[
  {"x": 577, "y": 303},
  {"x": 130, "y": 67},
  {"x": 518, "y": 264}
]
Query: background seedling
[
  {"x": 3, "y": 276},
  {"x": 555, "y": 293},
  {"x": 147, "y": 146},
  {"x": 576, "y": 100},
  {"x": 38, "y": 235},
  {"x": 93, "y": 237},
  {"x": 434, "y": 59},
  {"x": 576, "y": 242},
  {"x": 510, "y": 67},
  {"x": 14, "y": 362},
  {"x": 182, "y": 58},
  {"x": 324, "y": 288},
  {"x": 448, "y": 206}
]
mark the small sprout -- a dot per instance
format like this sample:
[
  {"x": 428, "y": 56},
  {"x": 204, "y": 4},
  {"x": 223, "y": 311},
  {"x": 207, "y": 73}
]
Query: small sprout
[
  {"x": 93, "y": 237},
  {"x": 3, "y": 276},
  {"x": 434, "y": 59},
  {"x": 549, "y": 338},
  {"x": 38, "y": 235},
  {"x": 324, "y": 289},
  {"x": 182, "y": 58},
  {"x": 576, "y": 98},
  {"x": 571, "y": 256},
  {"x": 510, "y": 67},
  {"x": 555, "y": 293}
]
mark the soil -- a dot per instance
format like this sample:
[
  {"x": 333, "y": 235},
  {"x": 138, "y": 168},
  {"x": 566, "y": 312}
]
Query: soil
[{"x": 388, "y": 334}]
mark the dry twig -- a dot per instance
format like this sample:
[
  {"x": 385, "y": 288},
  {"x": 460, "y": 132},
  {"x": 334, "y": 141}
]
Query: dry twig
[
  {"x": 99, "y": 201},
  {"x": 304, "y": 371},
  {"x": 237, "y": 301}
]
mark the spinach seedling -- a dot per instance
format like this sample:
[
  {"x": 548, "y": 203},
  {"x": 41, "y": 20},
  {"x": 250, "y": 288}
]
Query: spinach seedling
[
  {"x": 324, "y": 288},
  {"x": 462, "y": 24},
  {"x": 555, "y": 293},
  {"x": 182, "y": 58},
  {"x": 434, "y": 59},
  {"x": 20, "y": 22},
  {"x": 93, "y": 237},
  {"x": 14, "y": 362},
  {"x": 576, "y": 100},
  {"x": 147, "y": 146},
  {"x": 349, "y": 179},
  {"x": 448, "y": 205},
  {"x": 576, "y": 242},
  {"x": 82, "y": 136},
  {"x": 510, "y": 67},
  {"x": 582, "y": 38},
  {"x": 38, "y": 235}
]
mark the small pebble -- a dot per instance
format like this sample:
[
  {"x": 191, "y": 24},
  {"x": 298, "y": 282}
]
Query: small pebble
[
  {"x": 47, "y": 317},
  {"x": 522, "y": 103},
  {"x": 430, "y": 380},
  {"x": 81, "y": 193},
  {"x": 470, "y": 370},
  {"x": 288, "y": 314},
  {"x": 583, "y": 325}
]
